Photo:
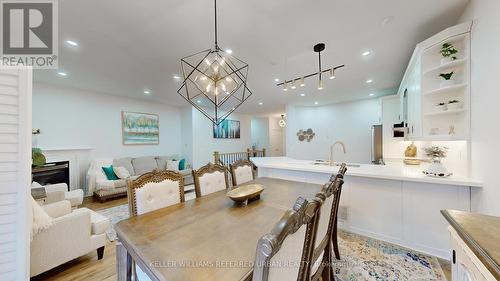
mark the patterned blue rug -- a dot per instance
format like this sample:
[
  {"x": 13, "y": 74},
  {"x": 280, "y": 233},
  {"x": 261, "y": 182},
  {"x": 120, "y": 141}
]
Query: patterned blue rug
[{"x": 364, "y": 258}]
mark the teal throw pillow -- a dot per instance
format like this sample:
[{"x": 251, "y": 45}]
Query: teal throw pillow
[
  {"x": 182, "y": 164},
  {"x": 110, "y": 174}
]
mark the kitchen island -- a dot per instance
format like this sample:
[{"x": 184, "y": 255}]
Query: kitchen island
[{"x": 393, "y": 202}]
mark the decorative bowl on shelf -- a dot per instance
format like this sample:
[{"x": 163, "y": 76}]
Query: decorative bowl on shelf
[{"x": 245, "y": 192}]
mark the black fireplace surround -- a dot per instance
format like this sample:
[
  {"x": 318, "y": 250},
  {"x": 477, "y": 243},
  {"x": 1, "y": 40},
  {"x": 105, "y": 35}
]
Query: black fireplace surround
[{"x": 51, "y": 173}]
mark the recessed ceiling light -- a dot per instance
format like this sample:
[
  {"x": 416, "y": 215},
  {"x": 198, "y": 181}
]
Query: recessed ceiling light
[
  {"x": 64, "y": 74},
  {"x": 387, "y": 20},
  {"x": 316, "y": 103},
  {"x": 229, "y": 51},
  {"x": 366, "y": 53},
  {"x": 372, "y": 94},
  {"x": 302, "y": 95},
  {"x": 261, "y": 103},
  {"x": 71, "y": 43},
  {"x": 198, "y": 101},
  {"x": 369, "y": 81},
  {"x": 147, "y": 92},
  {"x": 176, "y": 77},
  {"x": 276, "y": 79}
]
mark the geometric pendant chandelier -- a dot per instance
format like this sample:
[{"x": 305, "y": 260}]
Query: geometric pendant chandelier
[
  {"x": 300, "y": 81},
  {"x": 215, "y": 82}
]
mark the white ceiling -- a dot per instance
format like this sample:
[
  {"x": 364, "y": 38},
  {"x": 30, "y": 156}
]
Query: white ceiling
[{"x": 126, "y": 46}]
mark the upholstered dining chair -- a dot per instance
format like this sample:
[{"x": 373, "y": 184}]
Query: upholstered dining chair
[
  {"x": 210, "y": 178},
  {"x": 286, "y": 252},
  {"x": 155, "y": 190},
  {"x": 326, "y": 236},
  {"x": 241, "y": 171}
]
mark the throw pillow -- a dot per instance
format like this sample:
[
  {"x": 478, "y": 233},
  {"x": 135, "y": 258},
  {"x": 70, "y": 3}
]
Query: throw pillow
[
  {"x": 110, "y": 174},
  {"x": 173, "y": 165},
  {"x": 182, "y": 164},
  {"x": 41, "y": 220},
  {"x": 121, "y": 172}
]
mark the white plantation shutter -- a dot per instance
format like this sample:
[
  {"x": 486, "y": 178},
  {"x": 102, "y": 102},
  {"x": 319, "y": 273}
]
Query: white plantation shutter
[{"x": 15, "y": 163}]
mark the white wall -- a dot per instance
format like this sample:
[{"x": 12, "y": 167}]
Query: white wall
[
  {"x": 349, "y": 122},
  {"x": 260, "y": 132},
  {"x": 204, "y": 144},
  {"x": 277, "y": 138},
  {"x": 485, "y": 102}
]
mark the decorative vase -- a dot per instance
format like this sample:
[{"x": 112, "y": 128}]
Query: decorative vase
[
  {"x": 436, "y": 167},
  {"x": 447, "y": 83}
]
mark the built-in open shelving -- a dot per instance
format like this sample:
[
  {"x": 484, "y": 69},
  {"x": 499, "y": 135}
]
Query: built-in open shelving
[
  {"x": 445, "y": 112},
  {"x": 445, "y": 90}
]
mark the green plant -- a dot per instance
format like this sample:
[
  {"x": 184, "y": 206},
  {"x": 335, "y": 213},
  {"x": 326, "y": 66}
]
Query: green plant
[
  {"x": 454, "y": 101},
  {"x": 448, "y": 50},
  {"x": 436, "y": 152},
  {"x": 446, "y": 76},
  {"x": 38, "y": 157}
]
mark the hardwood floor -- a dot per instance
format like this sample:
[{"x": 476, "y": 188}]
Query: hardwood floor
[{"x": 89, "y": 268}]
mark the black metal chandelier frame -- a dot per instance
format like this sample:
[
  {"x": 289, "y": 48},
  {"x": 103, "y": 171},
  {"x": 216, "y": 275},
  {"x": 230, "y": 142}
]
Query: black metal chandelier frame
[{"x": 236, "y": 73}]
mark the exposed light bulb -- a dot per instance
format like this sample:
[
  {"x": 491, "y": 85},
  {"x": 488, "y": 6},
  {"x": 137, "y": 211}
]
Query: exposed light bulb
[
  {"x": 320, "y": 84},
  {"x": 228, "y": 79},
  {"x": 332, "y": 73},
  {"x": 207, "y": 61},
  {"x": 302, "y": 84}
]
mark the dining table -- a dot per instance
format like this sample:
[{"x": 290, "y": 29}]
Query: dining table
[{"x": 207, "y": 238}]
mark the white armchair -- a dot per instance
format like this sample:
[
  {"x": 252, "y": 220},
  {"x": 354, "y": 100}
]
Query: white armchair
[
  {"x": 95, "y": 176},
  {"x": 71, "y": 235}
]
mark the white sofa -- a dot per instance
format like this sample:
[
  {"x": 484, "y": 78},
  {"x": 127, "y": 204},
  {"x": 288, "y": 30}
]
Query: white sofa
[
  {"x": 104, "y": 189},
  {"x": 72, "y": 234}
]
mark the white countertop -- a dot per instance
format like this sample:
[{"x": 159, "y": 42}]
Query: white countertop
[{"x": 391, "y": 171}]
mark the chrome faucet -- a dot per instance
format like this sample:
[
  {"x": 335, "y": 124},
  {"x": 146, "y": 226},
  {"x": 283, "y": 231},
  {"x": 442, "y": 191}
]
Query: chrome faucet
[{"x": 332, "y": 162}]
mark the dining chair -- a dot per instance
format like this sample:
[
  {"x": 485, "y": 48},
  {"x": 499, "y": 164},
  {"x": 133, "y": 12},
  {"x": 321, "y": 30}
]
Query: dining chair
[
  {"x": 210, "y": 178},
  {"x": 155, "y": 190},
  {"x": 241, "y": 171},
  {"x": 326, "y": 237},
  {"x": 286, "y": 252}
]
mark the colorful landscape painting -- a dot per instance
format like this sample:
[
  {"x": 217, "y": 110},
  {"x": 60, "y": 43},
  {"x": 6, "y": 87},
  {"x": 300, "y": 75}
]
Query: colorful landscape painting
[
  {"x": 227, "y": 129},
  {"x": 140, "y": 128}
]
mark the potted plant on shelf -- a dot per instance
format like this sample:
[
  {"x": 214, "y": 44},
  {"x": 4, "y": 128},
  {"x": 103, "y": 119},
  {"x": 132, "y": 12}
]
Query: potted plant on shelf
[
  {"x": 441, "y": 106},
  {"x": 448, "y": 81},
  {"x": 448, "y": 51},
  {"x": 436, "y": 168},
  {"x": 454, "y": 104}
]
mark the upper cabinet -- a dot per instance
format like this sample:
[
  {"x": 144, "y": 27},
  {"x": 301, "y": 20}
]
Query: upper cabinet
[{"x": 435, "y": 90}]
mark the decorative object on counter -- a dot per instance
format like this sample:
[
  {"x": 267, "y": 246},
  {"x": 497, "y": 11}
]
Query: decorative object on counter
[
  {"x": 441, "y": 106},
  {"x": 451, "y": 131},
  {"x": 411, "y": 152},
  {"x": 246, "y": 193},
  {"x": 448, "y": 81},
  {"x": 307, "y": 135},
  {"x": 434, "y": 131},
  {"x": 318, "y": 48},
  {"x": 436, "y": 168},
  {"x": 282, "y": 121},
  {"x": 38, "y": 157},
  {"x": 454, "y": 104},
  {"x": 448, "y": 51}
]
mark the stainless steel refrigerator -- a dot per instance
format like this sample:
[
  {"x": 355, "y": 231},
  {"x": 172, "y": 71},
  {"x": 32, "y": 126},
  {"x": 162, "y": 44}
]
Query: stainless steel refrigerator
[{"x": 377, "y": 150}]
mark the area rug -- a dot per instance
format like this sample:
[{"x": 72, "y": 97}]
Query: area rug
[
  {"x": 115, "y": 214},
  {"x": 364, "y": 258}
]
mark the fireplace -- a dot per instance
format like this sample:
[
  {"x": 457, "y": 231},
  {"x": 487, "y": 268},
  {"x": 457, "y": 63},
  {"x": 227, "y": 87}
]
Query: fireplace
[{"x": 51, "y": 173}]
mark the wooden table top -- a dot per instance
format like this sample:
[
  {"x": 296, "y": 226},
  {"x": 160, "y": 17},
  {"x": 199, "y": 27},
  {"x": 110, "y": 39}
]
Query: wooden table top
[
  {"x": 209, "y": 238},
  {"x": 481, "y": 233}
]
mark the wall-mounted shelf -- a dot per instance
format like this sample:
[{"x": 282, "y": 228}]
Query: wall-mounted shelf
[
  {"x": 435, "y": 71},
  {"x": 444, "y": 90},
  {"x": 445, "y": 112}
]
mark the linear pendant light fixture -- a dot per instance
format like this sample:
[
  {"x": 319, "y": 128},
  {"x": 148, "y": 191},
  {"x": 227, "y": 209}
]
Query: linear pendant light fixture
[
  {"x": 318, "y": 48},
  {"x": 215, "y": 81}
]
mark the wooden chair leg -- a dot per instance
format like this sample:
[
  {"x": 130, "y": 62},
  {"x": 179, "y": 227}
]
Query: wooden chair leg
[
  {"x": 335, "y": 241},
  {"x": 100, "y": 253}
]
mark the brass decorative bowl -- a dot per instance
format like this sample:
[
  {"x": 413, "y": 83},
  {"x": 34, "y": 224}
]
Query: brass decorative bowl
[{"x": 245, "y": 192}]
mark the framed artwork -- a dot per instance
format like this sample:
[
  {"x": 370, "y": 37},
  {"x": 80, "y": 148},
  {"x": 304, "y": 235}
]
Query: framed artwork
[
  {"x": 227, "y": 129},
  {"x": 140, "y": 128}
]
